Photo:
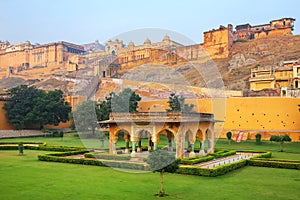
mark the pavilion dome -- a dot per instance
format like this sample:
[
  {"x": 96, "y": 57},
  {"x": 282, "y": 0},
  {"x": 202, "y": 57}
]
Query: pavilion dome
[{"x": 147, "y": 41}]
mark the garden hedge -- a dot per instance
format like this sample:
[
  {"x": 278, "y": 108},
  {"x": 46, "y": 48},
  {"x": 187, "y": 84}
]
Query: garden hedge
[
  {"x": 56, "y": 157},
  {"x": 217, "y": 154},
  {"x": 195, "y": 160},
  {"x": 286, "y": 164},
  {"x": 217, "y": 171}
]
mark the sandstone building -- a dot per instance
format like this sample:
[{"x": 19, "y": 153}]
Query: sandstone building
[
  {"x": 282, "y": 26},
  {"x": 18, "y": 57}
]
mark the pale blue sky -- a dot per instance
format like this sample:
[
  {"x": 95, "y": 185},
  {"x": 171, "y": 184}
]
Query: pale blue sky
[{"x": 84, "y": 21}]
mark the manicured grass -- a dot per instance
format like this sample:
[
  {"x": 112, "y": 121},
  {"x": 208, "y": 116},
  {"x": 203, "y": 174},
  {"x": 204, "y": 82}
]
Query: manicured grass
[
  {"x": 291, "y": 149},
  {"x": 24, "y": 177}
]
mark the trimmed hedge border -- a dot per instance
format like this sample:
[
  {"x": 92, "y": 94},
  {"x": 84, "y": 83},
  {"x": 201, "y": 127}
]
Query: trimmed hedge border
[
  {"x": 213, "y": 172},
  {"x": 107, "y": 156},
  {"x": 41, "y": 147},
  {"x": 57, "y": 157},
  {"x": 274, "y": 164},
  {"x": 196, "y": 160}
]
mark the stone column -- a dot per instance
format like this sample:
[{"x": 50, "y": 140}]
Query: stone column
[
  {"x": 155, "y": 142},
  {"x": 150, "y": 144},
  {"x": 212, "y": 139},
  {"x": 192, "y": 153},
  {"x": 114, "y": 147},
  {"x": 179, "y": 140},
  {"x": 202, "y": 152},
  {"x": 133, "y": 149},
  {"x": 126, "y": 138},
  {"x": 126, "y": 146},
  {"x": 112, "y": 143},
  {"x": 139, "y": 149}
]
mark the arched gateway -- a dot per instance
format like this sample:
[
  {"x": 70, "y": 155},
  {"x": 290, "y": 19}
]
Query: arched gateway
[{"x": 176, "y": 125}]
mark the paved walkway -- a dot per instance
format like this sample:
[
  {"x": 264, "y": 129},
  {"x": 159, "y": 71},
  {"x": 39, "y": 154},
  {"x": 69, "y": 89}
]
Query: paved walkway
[
  {"x": 20, "y": 133},
  {"x": 226, "y": 160}
]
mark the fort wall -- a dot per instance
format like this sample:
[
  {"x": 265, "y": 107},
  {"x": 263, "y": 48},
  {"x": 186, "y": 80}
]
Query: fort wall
[{"x": 265, "y": 115}]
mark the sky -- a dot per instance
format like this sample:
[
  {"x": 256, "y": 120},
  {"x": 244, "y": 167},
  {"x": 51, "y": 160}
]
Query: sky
[{"x": 84, "y": 21}]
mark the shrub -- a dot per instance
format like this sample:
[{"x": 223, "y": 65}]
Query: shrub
[
  {"x": 58, "y": 157},
  {"x": 195, "y": 160},
  {"x": 281, "y": 139},
  {"x": 224, "y": 153},
  {"x": 221, "y": 170},
  {"x": 229, "y": 135},
  {"x": 258, "y": 138},
  {"x": 274, "y": 164}
]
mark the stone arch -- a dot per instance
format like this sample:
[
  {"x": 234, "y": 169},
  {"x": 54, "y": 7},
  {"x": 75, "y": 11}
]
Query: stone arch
[
  {"x": 115, "y": 137},
  {"x": 190, "y": 139},
  {"x": 120, "y": 131},
  {"x": 141, "y": 134},
  {"x": 200, "y": 135},
  {"x": 170, "y": 134}
]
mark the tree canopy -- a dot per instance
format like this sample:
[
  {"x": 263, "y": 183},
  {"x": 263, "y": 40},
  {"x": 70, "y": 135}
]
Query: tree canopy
[
  {"x": 177, "y": 104},
  {"x": 85, "y": 116},
  {"x": 125, "y": 101},
  {"x": 30, "y": 106},
  {"x": 281, "y": 139},
  {"x": 89, "y": 112}
]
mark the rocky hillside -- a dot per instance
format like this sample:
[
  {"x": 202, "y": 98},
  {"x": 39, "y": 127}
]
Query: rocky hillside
[
  {"x": 265, "y": 51},
  {"x": 234, "y": 70}
]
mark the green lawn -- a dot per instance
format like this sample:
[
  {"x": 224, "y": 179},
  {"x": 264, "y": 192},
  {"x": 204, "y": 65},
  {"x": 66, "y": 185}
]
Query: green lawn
[{"x": 24, "y": 177}]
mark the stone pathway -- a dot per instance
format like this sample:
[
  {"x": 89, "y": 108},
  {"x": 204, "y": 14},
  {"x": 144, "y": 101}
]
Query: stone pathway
[
  {"x": 226, "y": 160},
  {"x": 20, "y": 133}
]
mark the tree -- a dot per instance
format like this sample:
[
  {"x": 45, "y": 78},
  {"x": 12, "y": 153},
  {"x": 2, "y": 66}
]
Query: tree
[
  {"x": 30, "y": 106},
  {"x": 104, "y": 108},
  {"x": 125, "y": 101},
  {"x": 50, "y": 108},
  {"x": 162, "y": 161},
  {"x": 281, "y": 139},
  {"x": 19, "y": 104},
  {"x": 176, "y": 104},
  {"x": 229, "y": 135},
  {"x": 85, "y": 116}
]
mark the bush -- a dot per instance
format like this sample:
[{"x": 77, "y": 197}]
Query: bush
[
  {"x": 223, "y": 153},
  {"x": 221, "y": 170},
  {"x": 258, "y": 138},
  {"x": 229, "y": 135},
  {"x": 57, "y": 157},
  {"x": 195, "y": 160},
  {"x": 274, "y": 164}
]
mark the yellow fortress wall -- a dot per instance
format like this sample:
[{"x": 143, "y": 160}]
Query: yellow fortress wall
[
  {"x": 4, "y": 125},
  {"x": 265, "y": 115}
]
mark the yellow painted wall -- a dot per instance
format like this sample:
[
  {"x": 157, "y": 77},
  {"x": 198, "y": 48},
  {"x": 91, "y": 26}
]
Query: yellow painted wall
[
  {"x": 4, "y": 125},
  {"x": 265, "y": 115}
]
